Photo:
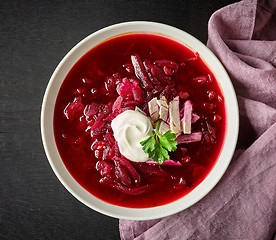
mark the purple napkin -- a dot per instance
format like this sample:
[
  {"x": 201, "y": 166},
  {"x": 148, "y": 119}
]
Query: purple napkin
[{"x": 243, "y": 203}]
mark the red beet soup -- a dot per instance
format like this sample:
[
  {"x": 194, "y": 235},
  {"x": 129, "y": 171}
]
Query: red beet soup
[{"x": 144, "y": 66}]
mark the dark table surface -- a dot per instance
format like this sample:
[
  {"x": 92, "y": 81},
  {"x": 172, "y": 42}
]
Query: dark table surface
[{"x": 34, "y": 37}]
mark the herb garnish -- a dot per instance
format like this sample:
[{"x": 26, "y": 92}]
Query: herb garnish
[{"x": 158, "y": 146}]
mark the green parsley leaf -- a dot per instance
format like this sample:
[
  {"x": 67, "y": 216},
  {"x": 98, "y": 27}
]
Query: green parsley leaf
[
  {"x": 148, "y": 144},
  {"x": 158, "y": 147},
  {"x": 167, "y": 141}
]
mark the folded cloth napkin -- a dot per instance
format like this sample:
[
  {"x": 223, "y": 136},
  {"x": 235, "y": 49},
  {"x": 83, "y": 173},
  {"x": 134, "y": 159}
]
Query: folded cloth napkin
[{"x": 243, "y": 203}]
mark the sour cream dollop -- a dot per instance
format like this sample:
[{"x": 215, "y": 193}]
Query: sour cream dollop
[{"x": 130, "y": 128}]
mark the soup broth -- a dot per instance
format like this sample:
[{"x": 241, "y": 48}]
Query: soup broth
[{"x": 84, "y": 110}]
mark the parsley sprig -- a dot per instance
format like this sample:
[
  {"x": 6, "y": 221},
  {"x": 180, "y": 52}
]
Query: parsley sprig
[{"x": 158, "y": 146}]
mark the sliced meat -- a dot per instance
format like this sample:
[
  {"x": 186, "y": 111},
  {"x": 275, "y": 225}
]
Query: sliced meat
[
  {"x": 153, "y": 109},
  {"x": 163, "y": 128},
  {"x": 187, "y": 118},
  {"x": 163, "y": 109},
  {"x": 174, "y": 116}
]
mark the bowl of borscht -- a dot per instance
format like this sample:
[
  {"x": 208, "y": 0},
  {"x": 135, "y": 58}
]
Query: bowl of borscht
[{"x": 139, "y": 120}]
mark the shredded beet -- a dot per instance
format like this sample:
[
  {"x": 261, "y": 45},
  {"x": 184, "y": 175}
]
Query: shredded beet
[
  {"x": 91, "y": 109},
  {"x": 195, "y": 117},
  {"x": 137, "y": 94},
  {"x": 130, "y": 91},
  {"x": 117, "y": 105},
  {"x": 149, "y": 169},
  {"x": 183, "y": 95},
  {"x": 134, "y": 190},
  {"x": 167, "y": 162},
  {"x": 73, "y": 110},
  {"x": 122, "y": 174},
  {"x": 136, "y": 177},
  {"x": 140, "y": 72},
  {"x": 131, "y": 103},
  {"x": 99, "y": 121},
  {"x": 166, "y": 92},
  {"x": 125, "y": 89},
  {"x": 105, "y": 168},
  {"x": 160, "y": 75},
  {"x": 167, "y": 63},
  {"x": 157, "y": 87},
  {"x": 110, "y": 138},
  {"x": 193, "y": 137},
  {"x": 110, "y": 117}
]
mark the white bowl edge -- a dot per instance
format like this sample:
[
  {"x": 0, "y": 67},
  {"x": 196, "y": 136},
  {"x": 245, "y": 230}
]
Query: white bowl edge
[{"x": 62, "y": 173}]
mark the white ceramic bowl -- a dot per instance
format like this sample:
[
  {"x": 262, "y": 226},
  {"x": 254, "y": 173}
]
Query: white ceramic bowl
[{"x": 48, "y": 111}]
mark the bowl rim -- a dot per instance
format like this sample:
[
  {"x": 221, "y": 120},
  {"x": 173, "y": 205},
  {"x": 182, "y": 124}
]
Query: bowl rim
[{"x": 47, "y": 111}]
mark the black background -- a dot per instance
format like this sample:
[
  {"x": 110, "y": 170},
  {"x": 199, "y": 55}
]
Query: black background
[{"x": 34, "y": 37}]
